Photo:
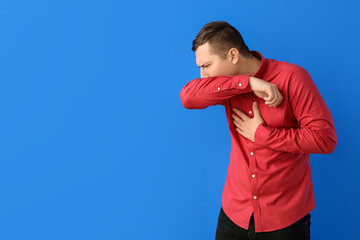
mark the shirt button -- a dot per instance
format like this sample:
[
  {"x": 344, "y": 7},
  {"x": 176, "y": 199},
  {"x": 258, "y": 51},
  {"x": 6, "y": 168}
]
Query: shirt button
[
  {"x": 218, "y": 88},
  {"x": 250, "y": 112},
  {"x": 253, "y": 176},
  {"x": 255, "y": 197},
  {"x": 251, "y": 153},
  {"x": 240, "y": 84}
]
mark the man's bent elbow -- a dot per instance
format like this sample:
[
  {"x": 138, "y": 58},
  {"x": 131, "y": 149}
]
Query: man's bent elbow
[
  {"x": 190, "y": 102},
  {"x": 332, "y": 145},
  {"x": 186, "y": 100},
  {"x": 328, "y": 143}
]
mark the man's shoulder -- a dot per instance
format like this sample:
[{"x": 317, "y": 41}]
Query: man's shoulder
[
  {"x": 283, "y": 72},
  {"x": 285, "y": 67}
]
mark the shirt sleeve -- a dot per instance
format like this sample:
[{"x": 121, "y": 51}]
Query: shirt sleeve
[
  {"x": 316, "y": 131},
  {"x": 203, "y": 92}
]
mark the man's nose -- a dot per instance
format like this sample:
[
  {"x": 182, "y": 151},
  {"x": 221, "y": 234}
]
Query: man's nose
[{"x": 204, "y": 74}]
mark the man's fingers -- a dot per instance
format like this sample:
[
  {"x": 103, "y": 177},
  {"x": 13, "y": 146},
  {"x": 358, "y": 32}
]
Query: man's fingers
[
  {"x": 273, "y": 101},
  {"x": 236, "y": 118},
  {"x": 242, "y": 133},
  {"x": 240, "y": 113},
  {"x": 238, "y": 125},
  {"x": 256, "y": 108},
  {"x": 276, "y": 103},
  {"x": 276, "y": 95},
  {"x": 276, "y": 100},
  {"x": 240, "y": 130},
  {"x": 272, "y": 94}
]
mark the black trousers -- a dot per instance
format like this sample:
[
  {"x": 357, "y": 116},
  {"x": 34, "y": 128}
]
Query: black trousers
[{"x": 228, "y": 230}]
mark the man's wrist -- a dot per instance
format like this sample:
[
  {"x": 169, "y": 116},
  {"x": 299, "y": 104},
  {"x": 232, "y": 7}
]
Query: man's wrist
[{"x": 251, "y": 79}]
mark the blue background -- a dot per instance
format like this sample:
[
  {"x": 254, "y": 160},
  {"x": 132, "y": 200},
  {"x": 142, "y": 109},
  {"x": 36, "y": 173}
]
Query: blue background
[{"x": 95, "y": 143}]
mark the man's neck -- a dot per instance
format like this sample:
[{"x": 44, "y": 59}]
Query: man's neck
[{"x": 249, "y": 65}]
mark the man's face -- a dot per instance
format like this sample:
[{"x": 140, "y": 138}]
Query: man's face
[{"x": 212, "y": 65}]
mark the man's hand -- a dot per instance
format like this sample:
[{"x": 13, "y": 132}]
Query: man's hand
[
  {"x": 267, "y": 91},
  {"x": 247, "y": 126}
]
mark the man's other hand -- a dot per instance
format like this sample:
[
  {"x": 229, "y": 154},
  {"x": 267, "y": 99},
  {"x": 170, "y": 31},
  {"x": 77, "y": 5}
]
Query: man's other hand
[
  {"x": 267, "y": 91},
  {"x": 245, "y": 125}
]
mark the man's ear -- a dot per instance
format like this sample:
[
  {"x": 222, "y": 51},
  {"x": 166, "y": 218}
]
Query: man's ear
[{"x": 233, "y": 55}]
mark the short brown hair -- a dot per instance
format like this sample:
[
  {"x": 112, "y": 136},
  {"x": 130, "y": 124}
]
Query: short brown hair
[{"x": 222, "y": 37}]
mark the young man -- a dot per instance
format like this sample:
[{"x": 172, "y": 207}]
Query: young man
[{"x": 276, "y": 117}]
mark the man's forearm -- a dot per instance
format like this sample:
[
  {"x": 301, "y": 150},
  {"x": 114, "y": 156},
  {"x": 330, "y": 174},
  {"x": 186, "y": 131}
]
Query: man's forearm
[
  {"x": 203, "y": 92},
  {"x": 320, "y": 139}
]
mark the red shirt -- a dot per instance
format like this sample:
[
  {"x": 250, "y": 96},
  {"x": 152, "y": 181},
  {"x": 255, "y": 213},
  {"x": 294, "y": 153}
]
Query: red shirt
[{"x": 271, "y": 176}]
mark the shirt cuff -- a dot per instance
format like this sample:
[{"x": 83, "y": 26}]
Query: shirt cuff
[
  {"x": 262, "y": 134},
  {"x": 243, "y": 82},
  {"x": 235, "y": 82}
]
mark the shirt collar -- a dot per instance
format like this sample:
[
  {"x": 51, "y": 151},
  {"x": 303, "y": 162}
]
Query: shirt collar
[{"x": 264, "y": 64}]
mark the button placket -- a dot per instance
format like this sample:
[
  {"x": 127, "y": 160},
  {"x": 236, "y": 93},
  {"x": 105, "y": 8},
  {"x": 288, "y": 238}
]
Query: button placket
[
  {"x": 253, "y": 175},
  {"x": 253, "y": 178}
]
